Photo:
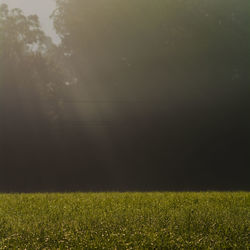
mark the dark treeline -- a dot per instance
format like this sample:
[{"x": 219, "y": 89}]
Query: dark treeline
[{"x": 139, "y": 95}]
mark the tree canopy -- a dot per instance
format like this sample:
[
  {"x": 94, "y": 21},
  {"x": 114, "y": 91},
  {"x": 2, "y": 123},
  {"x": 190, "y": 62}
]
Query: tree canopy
[
  {"x": 29, "y": 76},
  {"x": 137, "y": 49}
]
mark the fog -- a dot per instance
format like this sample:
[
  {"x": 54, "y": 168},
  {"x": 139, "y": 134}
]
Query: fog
[{"x": 137, "y": 95}]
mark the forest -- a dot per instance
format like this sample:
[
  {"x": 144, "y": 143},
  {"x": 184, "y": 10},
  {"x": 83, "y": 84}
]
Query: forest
[{"x": 138, "y": 95}]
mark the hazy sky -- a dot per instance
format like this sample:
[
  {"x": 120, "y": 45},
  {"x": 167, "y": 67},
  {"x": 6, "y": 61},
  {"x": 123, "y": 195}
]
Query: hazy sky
[{"x": 42, "y": 8}]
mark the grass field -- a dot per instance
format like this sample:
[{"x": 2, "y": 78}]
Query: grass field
[{"x": 125, "y": 220}]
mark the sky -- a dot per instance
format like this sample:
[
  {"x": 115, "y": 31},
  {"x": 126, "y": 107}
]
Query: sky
[{"x": 42, "y": 8}]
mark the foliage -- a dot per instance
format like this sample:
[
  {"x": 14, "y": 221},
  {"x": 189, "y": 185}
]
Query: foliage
[
  {"x": 125, "y": 221},
  {"x": 148, "y": 50},
  {"x": 29, "y": 76}
]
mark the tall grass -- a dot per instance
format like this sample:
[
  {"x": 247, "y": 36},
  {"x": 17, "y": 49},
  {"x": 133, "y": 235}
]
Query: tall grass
[{"x": 211, "y": 220}]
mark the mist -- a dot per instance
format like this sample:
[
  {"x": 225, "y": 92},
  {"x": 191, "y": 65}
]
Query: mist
[{"x": 135, "y": 95}]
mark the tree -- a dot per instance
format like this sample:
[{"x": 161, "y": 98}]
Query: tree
[
  {"x": 177, "y": 75},
  {"x": 30, "y": 79},
  {"x": 147, "y": 50}
]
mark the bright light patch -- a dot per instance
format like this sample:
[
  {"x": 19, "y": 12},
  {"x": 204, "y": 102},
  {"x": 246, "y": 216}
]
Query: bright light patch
[{"x": 41, "y": 8}]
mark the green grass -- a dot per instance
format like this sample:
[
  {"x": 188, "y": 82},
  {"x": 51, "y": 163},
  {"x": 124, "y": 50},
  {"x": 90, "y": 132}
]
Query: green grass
[{"x": 212, "y": 220}]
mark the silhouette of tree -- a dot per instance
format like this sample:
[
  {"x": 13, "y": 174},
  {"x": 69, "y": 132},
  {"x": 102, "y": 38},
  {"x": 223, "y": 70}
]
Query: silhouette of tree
[
  {"x": 148, "y": 50},
  {"x": 30, "y": 79}
]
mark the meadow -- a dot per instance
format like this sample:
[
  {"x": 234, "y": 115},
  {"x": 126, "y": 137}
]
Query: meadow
[{"x": 156, "y": 220}]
